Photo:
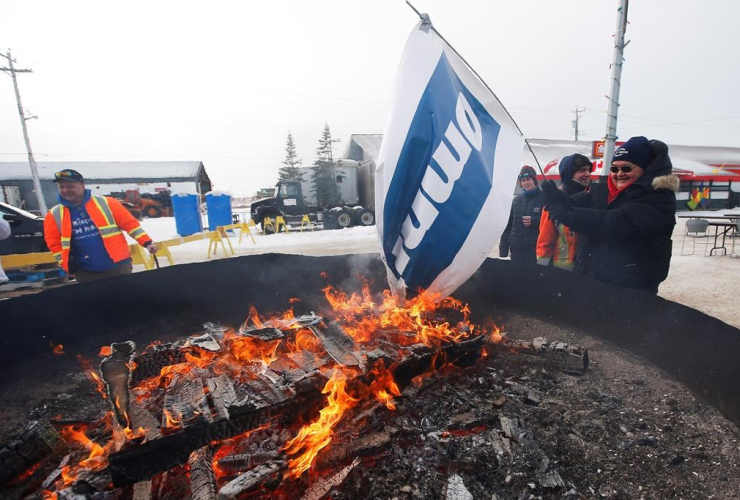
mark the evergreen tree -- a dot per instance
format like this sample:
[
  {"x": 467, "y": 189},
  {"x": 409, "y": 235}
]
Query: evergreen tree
[
  {"x": 324, "y": 186},
  {"x": 290, "y": 171}
]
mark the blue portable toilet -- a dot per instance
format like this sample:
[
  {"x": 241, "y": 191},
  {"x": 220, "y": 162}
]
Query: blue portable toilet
[
  {"x": 219, "y": 209},
  {"x": 187, "y": 214}
]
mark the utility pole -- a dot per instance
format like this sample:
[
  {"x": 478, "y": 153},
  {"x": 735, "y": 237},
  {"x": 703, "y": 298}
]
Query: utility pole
[
  {"x": 34, "y": 171},
  {"x": 575, "y": 122},
  {"x": 611, "y": 120}
]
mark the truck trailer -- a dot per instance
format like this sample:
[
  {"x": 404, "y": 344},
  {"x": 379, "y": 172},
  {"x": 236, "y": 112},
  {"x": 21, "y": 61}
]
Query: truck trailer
[{"x": 346, "y": 198}]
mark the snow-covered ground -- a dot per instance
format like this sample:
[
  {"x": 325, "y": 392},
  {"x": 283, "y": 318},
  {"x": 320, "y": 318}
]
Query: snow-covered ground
[{"x": 709, "y": 284}]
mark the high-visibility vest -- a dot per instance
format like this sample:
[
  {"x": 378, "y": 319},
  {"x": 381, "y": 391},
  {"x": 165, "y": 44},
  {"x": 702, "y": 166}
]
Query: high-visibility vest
[{"x": 108, "y": 215}]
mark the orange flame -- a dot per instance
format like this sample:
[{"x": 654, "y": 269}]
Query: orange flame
[
  {"x": 92, "y": 375},
  {"x": 105, "y": 351},
  {"x": 98, "y": 455},
  {"x": 313, "y": 437},
  {"x": 228, "y": 447},
  {"x": 384, "y": 387},
  {"x": 57, "y": 349}
]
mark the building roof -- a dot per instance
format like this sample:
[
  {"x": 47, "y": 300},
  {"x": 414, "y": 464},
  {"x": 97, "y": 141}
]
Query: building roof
[
  {"x": 696, "y": 161},
  {"x": 105, "y": 170},
  {"x": 369, "y": 143}
]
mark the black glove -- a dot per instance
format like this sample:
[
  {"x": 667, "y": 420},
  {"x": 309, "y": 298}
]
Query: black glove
[
  {"x": 551, "y": 194},
  {"x": 503, "y": 251},
  {"x": 559, "y": 213}
]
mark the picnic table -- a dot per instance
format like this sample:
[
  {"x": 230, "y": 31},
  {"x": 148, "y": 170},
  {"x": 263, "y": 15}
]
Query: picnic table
[{"x": 723, "y": 224}]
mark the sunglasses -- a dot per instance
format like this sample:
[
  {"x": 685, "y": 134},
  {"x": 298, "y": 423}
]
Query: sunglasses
[
  {"x": 525, "y": 176},
  {"x": 63, "y": 174},
  {"x": 626, "y": 170}
]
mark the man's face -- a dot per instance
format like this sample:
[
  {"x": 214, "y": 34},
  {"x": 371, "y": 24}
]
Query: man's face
[
  {"x": 72, "y": 191},
  {"x": 622, "y": 179},
  {"x": 527, "y": 183},
  {"x": 583, "y": 176}
]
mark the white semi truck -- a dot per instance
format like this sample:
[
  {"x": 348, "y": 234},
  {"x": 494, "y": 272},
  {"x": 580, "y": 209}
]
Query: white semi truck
[{"x": 348, "y": 198}]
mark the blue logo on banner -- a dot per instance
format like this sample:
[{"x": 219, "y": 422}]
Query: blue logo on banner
[{"x": 441, "y": 181}]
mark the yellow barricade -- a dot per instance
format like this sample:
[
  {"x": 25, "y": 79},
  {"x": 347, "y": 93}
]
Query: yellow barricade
[
  {"x": 265, "y": 223},
  {"x": 306, "y": 221},
  {"x": 279, "y": 221},
  {"x": 16, "y": 261},
  {"x": 217, "y": 237},
  {"x": 243, "y": 228}
]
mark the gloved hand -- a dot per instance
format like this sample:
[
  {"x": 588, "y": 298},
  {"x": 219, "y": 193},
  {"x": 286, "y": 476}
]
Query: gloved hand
[
  {"x": 503, "y": 251},
  {"x": 551, "y": 194},
  {"x": 559, "y": 213}
]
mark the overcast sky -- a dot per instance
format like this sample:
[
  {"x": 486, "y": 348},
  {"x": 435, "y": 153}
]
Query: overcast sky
[{"x": 224, "y": 81}]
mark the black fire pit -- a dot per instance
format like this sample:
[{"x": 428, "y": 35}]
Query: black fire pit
[{"x": 697, "y": 350}]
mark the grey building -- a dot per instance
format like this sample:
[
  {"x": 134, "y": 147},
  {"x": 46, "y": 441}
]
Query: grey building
[{"x": 16, "y": 184}]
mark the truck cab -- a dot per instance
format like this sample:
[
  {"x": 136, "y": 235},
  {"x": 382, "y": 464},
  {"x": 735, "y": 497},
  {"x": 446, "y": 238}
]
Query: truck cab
[{"x": 290, "y": 199}]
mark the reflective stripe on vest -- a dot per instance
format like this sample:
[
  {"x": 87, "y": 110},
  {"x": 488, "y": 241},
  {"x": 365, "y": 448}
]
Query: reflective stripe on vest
[
  {"x": 137, "y": 232},
  {"x": 102, "y": 205},
  {"x": 57, "y": 212}
]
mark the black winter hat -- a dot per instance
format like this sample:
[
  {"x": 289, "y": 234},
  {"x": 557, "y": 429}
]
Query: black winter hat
[
  {"x": 528, "y": 171},
  {"x": 636, "y": 150},
  {"x": 572, "y": 164}
]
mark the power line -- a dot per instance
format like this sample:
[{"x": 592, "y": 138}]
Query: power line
[
  {"x": 575, "y": 122},
  {"x": 34, "y": 171}
]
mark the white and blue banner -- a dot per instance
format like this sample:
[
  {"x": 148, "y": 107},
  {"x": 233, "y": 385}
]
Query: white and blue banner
[{"x": 446, "y": 170}]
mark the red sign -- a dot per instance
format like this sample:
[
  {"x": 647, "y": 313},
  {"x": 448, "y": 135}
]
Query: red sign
[{"x": 598, "y": 148}]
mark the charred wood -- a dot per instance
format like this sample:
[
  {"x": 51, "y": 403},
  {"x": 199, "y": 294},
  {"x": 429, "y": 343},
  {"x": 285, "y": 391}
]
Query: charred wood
[
  {"x": 202, "y": 478},
  {"x": 143, "y": 490},
  {"x": 142, "y": 461},
  {"x": 150, "y": 363},
  {"x": 567, "y": 358},
  {"x": 265, "y": 334},
  {"x": 222, "y": 392},
  {"x": 250, "y": 480},
  {"x": 116, "y": 373},
  {"x": 186, "y": 403},
  {"x": 39, "y": 440},
  {"x": 337, "y": 343},
  {"x": 364, "y": 446},
  {"x": 420, "y": 358},
  {"x": 322, "y": 486}
]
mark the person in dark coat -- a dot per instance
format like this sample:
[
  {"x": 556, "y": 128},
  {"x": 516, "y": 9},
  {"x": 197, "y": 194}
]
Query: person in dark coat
[
  {"x": 625, "y": 226},
  {"x": 520, "y": 235}
]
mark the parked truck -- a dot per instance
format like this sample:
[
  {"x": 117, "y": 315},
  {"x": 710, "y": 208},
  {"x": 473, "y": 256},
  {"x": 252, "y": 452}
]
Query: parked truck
[{"x": 347, "y": 199}]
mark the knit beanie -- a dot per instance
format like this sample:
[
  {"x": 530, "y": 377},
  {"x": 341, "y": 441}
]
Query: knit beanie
[
  {"x": 528, "y": 171},
  {"x": 636, "y": 150},
  {"x": 572, "y": 164}
]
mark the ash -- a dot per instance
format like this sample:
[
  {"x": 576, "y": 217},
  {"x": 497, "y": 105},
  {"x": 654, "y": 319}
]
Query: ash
[{"x": 511, "y": 428}]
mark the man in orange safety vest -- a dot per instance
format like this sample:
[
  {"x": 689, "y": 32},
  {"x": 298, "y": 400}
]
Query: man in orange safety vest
[{"x": 85, "y": 231}]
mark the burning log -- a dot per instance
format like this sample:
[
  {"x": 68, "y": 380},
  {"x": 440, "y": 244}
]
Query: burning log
[
  {"x": 337, "y": 343},
  {"x": 568, "y": 358},
  {"x": 150, "y": 363},
  {"x": 222, "y": 391},
  {"x": 116, "y": 374},
  {"x": 250, "y": 480},
  {"x": 265, "y": 401},
  {"x": 39, "y": 440},
  {"x": 142, "y": 461},
  {"x": 323, "y": 486},
  {"x": 202, "y": 477}
]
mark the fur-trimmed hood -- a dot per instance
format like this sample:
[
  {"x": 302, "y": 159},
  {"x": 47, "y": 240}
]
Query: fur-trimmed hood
[{"x": 670, "y": 182}]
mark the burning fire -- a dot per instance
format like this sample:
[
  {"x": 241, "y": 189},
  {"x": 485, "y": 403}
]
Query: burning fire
[
  {"x": 57, "y": 349},
  {"x": 425, "y": 319},
  {"x": 312, "y": 438}
]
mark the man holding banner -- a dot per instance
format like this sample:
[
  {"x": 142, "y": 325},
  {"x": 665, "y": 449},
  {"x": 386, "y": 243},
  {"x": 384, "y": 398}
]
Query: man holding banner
[{"x": 446, "y": 169}]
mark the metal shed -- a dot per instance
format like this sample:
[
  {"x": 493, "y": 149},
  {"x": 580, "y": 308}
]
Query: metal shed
[{"x": 105, "y": 177}]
